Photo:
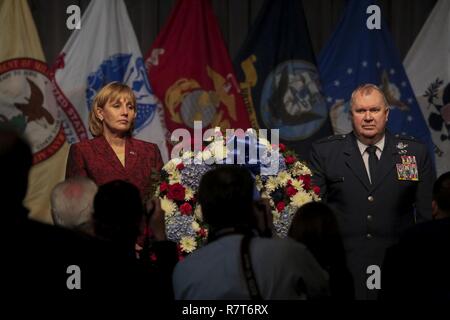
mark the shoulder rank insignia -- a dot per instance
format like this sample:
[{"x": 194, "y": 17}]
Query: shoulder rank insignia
[{"x": 332, "y": 138}]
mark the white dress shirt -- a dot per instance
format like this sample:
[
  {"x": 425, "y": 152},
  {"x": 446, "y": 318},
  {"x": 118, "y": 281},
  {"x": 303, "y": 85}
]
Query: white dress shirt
[{"x": 365, "y": 155}]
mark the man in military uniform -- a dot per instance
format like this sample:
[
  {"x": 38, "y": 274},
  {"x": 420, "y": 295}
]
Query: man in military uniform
[{"x": 365, "y": 176}]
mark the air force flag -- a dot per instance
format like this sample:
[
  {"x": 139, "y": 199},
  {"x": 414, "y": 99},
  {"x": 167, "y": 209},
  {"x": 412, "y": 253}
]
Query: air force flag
[{"x": 355, "y": 55}]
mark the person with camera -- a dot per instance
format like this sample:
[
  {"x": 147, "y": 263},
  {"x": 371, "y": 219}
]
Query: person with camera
[{"x": 238, "y": 262}]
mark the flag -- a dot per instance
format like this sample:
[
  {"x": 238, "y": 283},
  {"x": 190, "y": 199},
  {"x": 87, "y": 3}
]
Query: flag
[
  {"x": 428, "y": 67},
  {"x": 103, "y": 50},
  {"x": 191, "y": 72},
  {"x": 356, "y": 55},
  {"x": 278, "y": 76},
  {"x": 27, "y": 103}
]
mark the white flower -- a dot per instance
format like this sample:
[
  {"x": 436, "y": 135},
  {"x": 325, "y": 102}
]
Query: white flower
[
  {"x": 206, "y": 155},
  {"x": 299, "y": 169},
  {"x": 275, "y": 216},
  {"x": 258, "y": 183},
  {"x": 297, "y": 184},
  {"x": 198, "y": 157},
  {"x": 217, "y": 149},
  {"x": 300, "y": 198},
  {"x": 271, "y": 184},
  {"x": 198, "y": 212},
  {"x": 175, "y": 177},
  {"x": 283, "y": 178},
  {"x": 170, "y": 167},
  {"x": 306, "y": 171},
  {"x": 188, "y": 244},
  {"x": 315, "y": 197},
  {"x": 189, "y": 194},
  {"x": 195, "y": 226},
  {"x": 264, "y": 142},
  {"x": 168, "y": 206},
  {"x": 187, "y": 155}
]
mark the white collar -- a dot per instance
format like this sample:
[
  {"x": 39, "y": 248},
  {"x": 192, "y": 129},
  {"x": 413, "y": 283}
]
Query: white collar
[{"x": 380, "y": 145}]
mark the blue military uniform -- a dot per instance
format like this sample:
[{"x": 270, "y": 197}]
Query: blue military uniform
[{"x": 371, "y": 216}]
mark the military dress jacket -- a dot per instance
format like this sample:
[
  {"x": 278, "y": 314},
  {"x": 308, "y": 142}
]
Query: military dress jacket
[{"x": 371, "y": 216}]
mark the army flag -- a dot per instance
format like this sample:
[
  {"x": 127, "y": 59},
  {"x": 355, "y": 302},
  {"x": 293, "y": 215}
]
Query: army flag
[
  {"x": 105, "y": 49},
  {"x": 428, "y": 67},
  {"x": 27, "y": 103},
  {"x": 191, "y": 72},
  {"x": 276, "y": 68},
  {"x": 360, "y": 51}
]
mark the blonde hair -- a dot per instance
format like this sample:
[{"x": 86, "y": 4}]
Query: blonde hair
[
  {"x": 113, "y": 91},
  {"x": 366, "y": 89}
]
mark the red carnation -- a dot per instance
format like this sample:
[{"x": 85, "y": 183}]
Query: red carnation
[
  {"x": 176, "y": 192},
  {"x": 163, "y": 187},
  {"x": 180, "y": 253},
  {"x": 290, "y": 191},
  {"x": 306, "y": 181},
  {"x": 202, "y": 232},
  {"x": 280, "y": 206},
  {"x": 289, "y": 159},
  {"x": 180, "y": 166},
  {"x": 282, "y": 147},
  {"x": 186, "y": 208},
  {"x": 316, "y": 190}
]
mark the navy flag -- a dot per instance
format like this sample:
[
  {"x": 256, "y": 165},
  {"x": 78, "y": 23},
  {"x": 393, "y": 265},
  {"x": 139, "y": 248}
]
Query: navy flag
[
  {"x": 355, "y": 55},
  {"x": 278, "y": 77}
]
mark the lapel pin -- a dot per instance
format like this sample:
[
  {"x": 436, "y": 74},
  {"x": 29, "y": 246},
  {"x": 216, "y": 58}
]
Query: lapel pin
[{"x": 133, "y": 153}]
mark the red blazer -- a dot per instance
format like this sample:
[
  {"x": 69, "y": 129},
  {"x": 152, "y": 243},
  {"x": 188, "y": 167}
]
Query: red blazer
[{"x": 96, "y": 159}]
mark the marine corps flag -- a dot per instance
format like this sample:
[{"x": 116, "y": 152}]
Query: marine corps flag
[
  {"x": 359, "y": 52},
  {"x": 428, "y": 67},
  {"x": 191, "y": 72},
  {"x": 27, "y": 103},
  {"x": 277, "y": 72}
]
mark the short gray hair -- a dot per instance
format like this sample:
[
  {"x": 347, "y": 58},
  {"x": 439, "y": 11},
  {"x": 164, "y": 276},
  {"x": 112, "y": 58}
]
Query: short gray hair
[
  {"x": 366, "y": 89},
  {"x": 72, "y": 202}
]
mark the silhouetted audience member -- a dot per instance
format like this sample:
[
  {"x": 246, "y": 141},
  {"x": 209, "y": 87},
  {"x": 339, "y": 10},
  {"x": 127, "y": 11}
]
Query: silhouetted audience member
[
  {"x": 417, "y": 268},
  {"x": 237, "y": 263},
  {"x": 315, "y": 225},
  {"x": 117, "y": 219},
  {"x": 72, "y": 203},
  {"x": 37, "y": 256}
]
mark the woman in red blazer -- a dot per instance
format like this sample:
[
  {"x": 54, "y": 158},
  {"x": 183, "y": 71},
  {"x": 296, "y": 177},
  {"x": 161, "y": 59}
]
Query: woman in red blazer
[{"x": 113, "y": 154}]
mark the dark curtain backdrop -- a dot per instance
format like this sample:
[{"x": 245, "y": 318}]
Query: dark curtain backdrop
[{"x": 405, "y": 19}]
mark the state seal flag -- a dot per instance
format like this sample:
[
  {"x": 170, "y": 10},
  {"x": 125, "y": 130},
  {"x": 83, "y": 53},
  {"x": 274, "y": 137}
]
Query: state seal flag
[
  {"x": 191, "y": 72},
  {"x": 428, "y": 67},
  {"x": 357, "y": 54},
  {"x": 103, "y": 50},
  {"x": 27, "y": 103},
  {"x": 276, "y": 68}
]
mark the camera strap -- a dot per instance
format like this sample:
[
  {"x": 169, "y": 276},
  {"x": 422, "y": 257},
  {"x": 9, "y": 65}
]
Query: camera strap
[{"x": 249, "y": 274}]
